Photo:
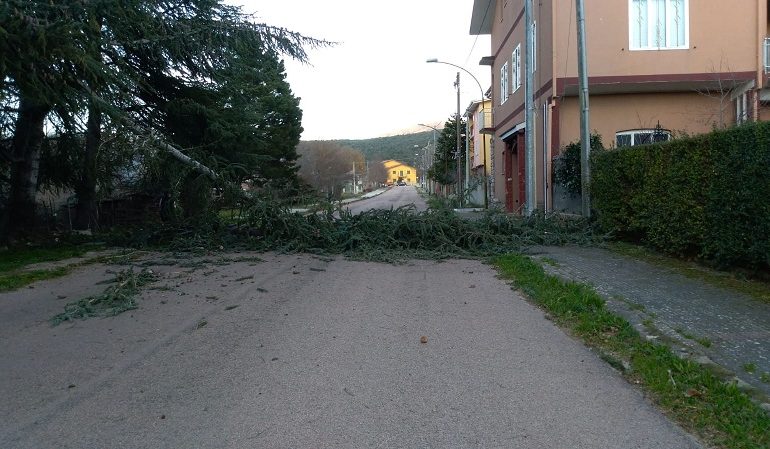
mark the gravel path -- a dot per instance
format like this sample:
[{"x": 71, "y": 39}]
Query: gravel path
[{"x": 303, "y": 352}]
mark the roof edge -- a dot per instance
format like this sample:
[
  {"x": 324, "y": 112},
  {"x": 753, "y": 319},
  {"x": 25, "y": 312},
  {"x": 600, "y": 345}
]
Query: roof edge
[{"x": 481, "y": 17}]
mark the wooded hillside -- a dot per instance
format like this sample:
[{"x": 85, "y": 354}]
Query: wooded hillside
[{"x": 393, "y": 147}]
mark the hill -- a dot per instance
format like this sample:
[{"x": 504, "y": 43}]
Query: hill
[{"x": 400, "y": 147}]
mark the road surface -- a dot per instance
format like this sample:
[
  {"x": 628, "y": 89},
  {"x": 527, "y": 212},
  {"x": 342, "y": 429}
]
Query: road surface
[
  {"x": 396, "y": 196},
  {"x": 303, "y": 352}
]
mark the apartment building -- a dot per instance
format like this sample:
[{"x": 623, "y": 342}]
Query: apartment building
[{"x": 657, "y": 69}]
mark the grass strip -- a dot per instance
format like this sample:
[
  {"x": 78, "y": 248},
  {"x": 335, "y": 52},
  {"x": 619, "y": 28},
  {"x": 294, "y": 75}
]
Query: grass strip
[
  {"x": 14, "y": 259},
  {"x": 754, "y": 288},
  {"x": 696, "y": 398},
  {"x": 18, "y": 279},
  {"x": 13, "y": 262},
  {"x": 116, "y": 299}
]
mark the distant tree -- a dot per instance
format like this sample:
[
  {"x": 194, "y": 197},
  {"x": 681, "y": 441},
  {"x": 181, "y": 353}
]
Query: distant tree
[
  {"x": 445, "y": 160},
  {"x": 327, "y": 165},
  {"x": 376, "y": 173}
]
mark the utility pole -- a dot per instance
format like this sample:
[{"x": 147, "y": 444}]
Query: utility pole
[
  {"x": 529, "y": 112},
  {"x": 457, "y": 132},
  {"x": 354, "y": 178},
  {"x": 585, "y": 130}
]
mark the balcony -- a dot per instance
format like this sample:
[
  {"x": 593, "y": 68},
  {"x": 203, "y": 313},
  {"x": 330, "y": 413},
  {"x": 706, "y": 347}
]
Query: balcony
[{"x": 484, "y": 120}]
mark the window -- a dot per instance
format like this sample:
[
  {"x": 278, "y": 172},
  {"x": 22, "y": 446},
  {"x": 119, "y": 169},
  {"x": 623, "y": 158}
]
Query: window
[
  {"x": 504, "y": 83},
  {"x": 516, "y": 67},
  {"x": 408, "y": 172},
  {"x": 636, "y": 137},
  {"x": 658, "y": 24},
  {"x": 394, "y": 172},
  {"x": 534, "y": 46}
]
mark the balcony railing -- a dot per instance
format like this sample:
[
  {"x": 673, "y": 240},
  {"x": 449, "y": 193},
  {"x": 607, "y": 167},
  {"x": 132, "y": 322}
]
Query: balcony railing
[{"x": 767, "y": 55}]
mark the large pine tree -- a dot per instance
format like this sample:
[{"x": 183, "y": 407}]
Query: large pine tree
[{"x": 106, "y": 63}]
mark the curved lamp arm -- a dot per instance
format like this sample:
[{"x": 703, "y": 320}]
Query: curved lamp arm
[{"x": 481, "y": 89}]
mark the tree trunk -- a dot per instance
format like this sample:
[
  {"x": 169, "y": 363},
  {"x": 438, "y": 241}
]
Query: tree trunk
[
  {"x": 25, "y": 151},
  {"x": 85, "y": 189}
]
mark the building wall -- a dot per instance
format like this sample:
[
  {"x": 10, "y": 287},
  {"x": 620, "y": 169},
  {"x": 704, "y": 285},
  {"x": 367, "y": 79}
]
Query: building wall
[
  {"x": 764, "y": 112},
  {"x": 681, "y": 113},
  {"x": 763, "y": 20},
  {"x": 478, "y": 139},
  {"x": 508, "y": 32},
  {"x": 720, "y": 40},
  {"x": 631, "y": 89}
]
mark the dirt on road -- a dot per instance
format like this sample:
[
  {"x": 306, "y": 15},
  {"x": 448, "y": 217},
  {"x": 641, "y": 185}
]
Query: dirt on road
[{"x": 299, "y": 351}]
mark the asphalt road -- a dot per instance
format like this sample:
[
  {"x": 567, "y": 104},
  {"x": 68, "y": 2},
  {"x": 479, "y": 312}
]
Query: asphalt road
[
  {"x": 395, "y": 197},
  {"x": 304, "y": 352}
]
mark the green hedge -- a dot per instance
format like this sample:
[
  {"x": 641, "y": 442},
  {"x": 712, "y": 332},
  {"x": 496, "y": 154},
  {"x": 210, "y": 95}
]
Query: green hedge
[{"x": 706, "y": 196}]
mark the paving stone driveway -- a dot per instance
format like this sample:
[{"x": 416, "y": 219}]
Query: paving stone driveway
[{"x": 737, "y": 326}]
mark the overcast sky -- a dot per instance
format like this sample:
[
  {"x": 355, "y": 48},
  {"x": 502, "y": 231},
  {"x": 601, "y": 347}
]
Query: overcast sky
[{"x": 376, "y": 82}]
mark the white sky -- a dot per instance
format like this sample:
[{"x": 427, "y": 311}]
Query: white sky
[{"x": 376, "y": 82}]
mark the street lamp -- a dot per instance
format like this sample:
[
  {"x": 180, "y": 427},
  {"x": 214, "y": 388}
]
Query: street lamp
[{"x": 483, "y": 140}]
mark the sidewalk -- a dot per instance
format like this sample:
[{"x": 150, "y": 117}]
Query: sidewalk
[
  {"x": 707, "y": 324},
  {"x": 365, "y": 196}
]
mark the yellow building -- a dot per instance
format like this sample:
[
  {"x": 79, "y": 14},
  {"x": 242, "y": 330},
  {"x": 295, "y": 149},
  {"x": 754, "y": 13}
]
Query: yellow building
[{"x": 398, "y": 171}]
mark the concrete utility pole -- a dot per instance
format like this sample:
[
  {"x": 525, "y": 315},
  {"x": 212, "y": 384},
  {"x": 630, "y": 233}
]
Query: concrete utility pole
[
  {"x": 457, "y": 132},
  {"x": 529, "y": 112},
  {"x": 585, "y": 130}
]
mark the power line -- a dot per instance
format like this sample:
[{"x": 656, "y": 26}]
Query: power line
[{"x": 473, "y": 47}]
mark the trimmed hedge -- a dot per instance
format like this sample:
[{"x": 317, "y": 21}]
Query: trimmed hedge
[{"x": 706, "y": 196}]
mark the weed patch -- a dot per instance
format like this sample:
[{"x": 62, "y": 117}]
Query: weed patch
[{"x": 691, "y": 394}]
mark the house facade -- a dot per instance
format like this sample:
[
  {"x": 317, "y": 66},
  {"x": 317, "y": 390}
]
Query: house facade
[
  {"x": 478, "y": 118},
  {"x": 398, "y": 171},
  {"x": 656, "y": 69}
]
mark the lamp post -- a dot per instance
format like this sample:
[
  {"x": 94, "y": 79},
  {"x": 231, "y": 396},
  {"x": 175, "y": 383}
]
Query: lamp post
[{"x": 484, "y": 140}]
